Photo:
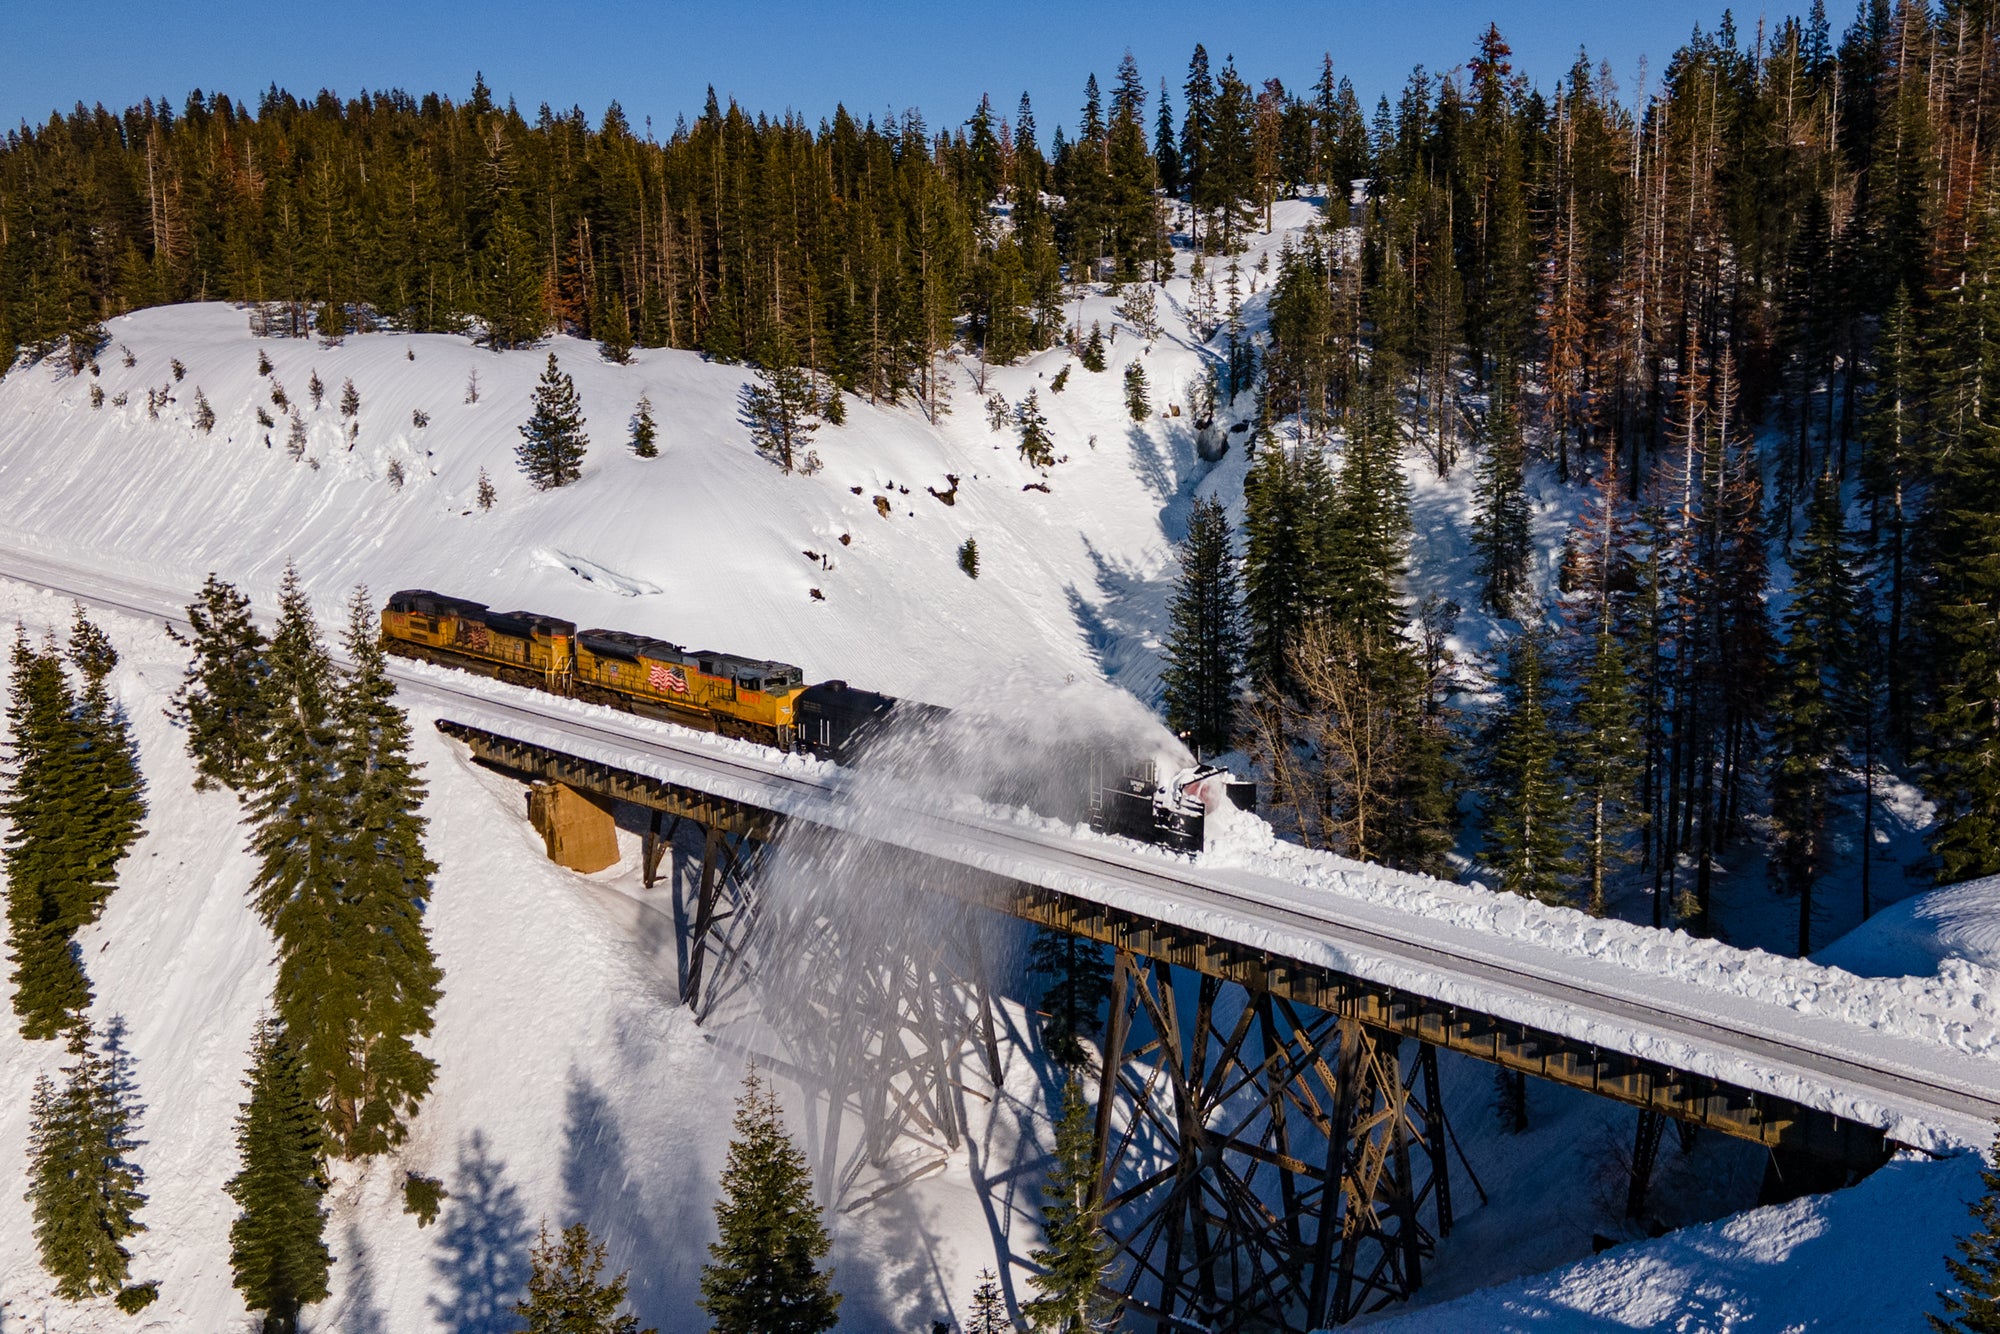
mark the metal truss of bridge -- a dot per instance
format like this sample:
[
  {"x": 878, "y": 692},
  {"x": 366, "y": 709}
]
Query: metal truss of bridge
[{"x": 1271, "y": 1142}]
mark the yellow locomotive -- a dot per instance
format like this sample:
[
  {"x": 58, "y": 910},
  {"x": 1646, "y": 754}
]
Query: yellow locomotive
[{"x": 716, "y": 692}]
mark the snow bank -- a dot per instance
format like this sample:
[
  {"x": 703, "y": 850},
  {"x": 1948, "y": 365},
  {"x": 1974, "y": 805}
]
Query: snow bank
[
  {"x": 1926, "y": 934},
  {"x": 1867, "y": 1258}
]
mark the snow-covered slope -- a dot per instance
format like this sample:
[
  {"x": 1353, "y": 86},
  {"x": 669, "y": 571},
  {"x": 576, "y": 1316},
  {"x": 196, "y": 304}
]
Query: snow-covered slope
[
  {"x": 571, "y": 1086},
  {"x": 1867, "y": 1258},
  {"x": 1914, "y": 937},
  {"x": 707, "y": 544}
]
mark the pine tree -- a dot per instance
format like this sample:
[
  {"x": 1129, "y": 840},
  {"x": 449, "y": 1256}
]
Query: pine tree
[
  {"x": 1500, "y": 530},
  {"x": 341, "y": 879},
  {"x": 1605, "y": 749},
  {"x": 778, "y": 406},
  {"x": 485, "y": 495},
  {"x": 350, "y": 399},
  {"x": 1204, "y": 650},
  {"x": 1136, "y": 404},
  {"x": 1074, "y": 1255},
  {"x": 1527, "y": 806},
  {"x": 1038, "y": 447},
  {"x": 1814, "y": 707},
  {"x": 614, "y": 331},
  {"x": 277, "y": 1247},
  {"x": 763, "y": 1275},
  {"x": 204, "y": 414},
  {"x": 82, "y": 1181},
  {"x": 356, "y": 998},
  {"x": 565, "y": 1295},
  {"x": 552, "y": 439},
  {"x": 1289, "y": 524},
  {"x": 46, "y": 851},
  {"x": 987, "y": 1312},
  {"x": 104, "y": 764},
  {"x": 295, "y": 437},
  {"x": 968, "y": 558},
  {"x": 317, "y": 388},
  {"x": 1079, "y": 983},
  {"x": 645, "y": 435},
  {"x": 220, "y": 698},
  {"x": 1963, "y": 750}
]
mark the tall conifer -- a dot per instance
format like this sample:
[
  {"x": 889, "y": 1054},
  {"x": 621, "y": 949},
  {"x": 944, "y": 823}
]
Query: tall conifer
[
  {"x": 46, "y": 851},
  {"x": 220, "y": 700},
  {"x": 1074, "y": 1255},
  {"x": 1814, "y": 710},
  {"x": 763, "y": 1275},
  {"x": 277, "y": 1247},
  {"x": 1527, "y": 814},
  {"x": 1204, "y": 650},
  {"x": 82, "y": 1181}
]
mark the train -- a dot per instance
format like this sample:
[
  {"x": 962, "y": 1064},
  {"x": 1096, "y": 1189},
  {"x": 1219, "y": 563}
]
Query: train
[{"x": 754, "y": 699}]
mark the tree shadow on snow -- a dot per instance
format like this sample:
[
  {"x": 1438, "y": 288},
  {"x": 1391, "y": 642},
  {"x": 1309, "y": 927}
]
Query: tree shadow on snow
[
  {"x": 604, "y": 1188},
  {"x": 1119, "y": 627},
  {"x": 482, "y": 1262},
  {"x": 358, "y": 1313}
]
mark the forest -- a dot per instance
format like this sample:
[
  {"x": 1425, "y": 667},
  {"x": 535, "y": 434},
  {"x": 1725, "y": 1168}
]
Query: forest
[{"x": 1748, "y": 307}]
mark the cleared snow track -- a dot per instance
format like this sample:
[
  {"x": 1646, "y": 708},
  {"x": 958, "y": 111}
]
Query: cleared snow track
[{"x": 1913, "y": 1057}]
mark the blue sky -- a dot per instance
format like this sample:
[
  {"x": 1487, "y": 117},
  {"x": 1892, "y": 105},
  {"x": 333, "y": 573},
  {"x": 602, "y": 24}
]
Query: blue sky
[{"x": 658, "y": 58}]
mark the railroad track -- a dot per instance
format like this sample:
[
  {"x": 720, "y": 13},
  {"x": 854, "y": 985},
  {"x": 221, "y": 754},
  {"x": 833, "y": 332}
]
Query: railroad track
[{"x": 1951, "y": 1092}]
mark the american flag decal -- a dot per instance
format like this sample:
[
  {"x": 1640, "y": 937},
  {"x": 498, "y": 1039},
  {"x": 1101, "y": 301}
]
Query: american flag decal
[{"x": 662, "y": 677}]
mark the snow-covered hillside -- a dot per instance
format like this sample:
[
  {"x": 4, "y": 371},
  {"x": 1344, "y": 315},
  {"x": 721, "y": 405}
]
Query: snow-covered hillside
[{"x": 571, "y": 1084}]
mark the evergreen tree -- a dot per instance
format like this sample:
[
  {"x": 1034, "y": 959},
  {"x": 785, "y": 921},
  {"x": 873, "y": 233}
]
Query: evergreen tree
[
  {"x": 987, "y": 1312},
  {"x": 1500, "y": 529},
  {"x": 1963, "y": 750},
  {"x": 342, "y": 876},
  {"x": 1204, "y": 651},
  {"x": 1289, "y": 517},
  {"x": 1526, "y": 802},
  {"x": 1079, "y": 983},
  {"x": 763, "y": 1275},
  {"x": 1136, "y": 404},
  {"x": 1364, "y": 534},
  {"x": 614, "y": 332},
  {"x": 46, "y": 855},
  {"x": 1605, "y": 749},
  {"x": 645, "y": 435},
  {"x": 1038, "y": 447},
  {"x": 204, "y": 413},
  {"x": 552, "y": 439},
  {"x": 485, "y": 495},
  {"x": 778, "y": 406},
  {"x": 107, "y": 769},
  {"x": 277, "y": 1249},
  {"x": 1974, "y": 1306},
  {"x": 1814, "y": 707},
  {"x": 82, "y": 1182},
  {"x": 968, "y": 558},
  {"x": 350, "y": 399},
  {"x": 1074, "y": 1254},
  {"x": 565, "y": 1295},
  {"x": 357, "y": 998}
]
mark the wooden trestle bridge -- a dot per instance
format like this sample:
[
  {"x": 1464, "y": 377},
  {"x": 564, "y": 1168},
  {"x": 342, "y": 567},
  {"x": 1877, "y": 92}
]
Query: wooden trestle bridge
[{"x": 1271, "y": 1142}]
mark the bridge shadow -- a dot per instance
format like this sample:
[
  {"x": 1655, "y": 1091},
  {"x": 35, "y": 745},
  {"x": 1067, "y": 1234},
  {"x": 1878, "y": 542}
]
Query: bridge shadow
[{"x": 482, "y": 1262}]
